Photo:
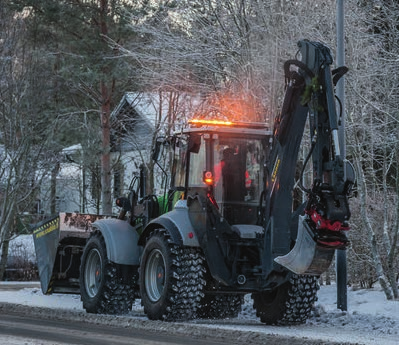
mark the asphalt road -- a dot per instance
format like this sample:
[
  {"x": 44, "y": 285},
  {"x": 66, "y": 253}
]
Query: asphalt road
[
  {"x": 71, "y": 332},
  {"x": 20, "y": 327},
  {"x": 24, "y": 325}
]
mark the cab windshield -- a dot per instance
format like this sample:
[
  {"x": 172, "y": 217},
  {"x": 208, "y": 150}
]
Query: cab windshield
[{"x": 237, "y": 168}]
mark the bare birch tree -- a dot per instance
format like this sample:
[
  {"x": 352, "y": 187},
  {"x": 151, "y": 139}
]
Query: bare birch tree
[
  {"x": 373, "y": 132},
  {"x": 23, "y": 137},
  {"x": 224, "y": 47}
]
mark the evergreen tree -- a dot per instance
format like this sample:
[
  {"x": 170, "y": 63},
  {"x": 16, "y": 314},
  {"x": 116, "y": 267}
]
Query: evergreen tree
[{"x": 87, "y": 78}]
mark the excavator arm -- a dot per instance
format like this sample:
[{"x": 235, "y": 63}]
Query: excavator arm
[{"x": 320, "y": 223}]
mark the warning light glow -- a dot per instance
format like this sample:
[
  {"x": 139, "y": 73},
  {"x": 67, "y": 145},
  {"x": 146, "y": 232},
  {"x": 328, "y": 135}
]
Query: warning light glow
[{"x": 209, "y": 122}]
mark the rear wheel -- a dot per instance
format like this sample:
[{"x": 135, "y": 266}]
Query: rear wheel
[
  {"x": 171, "y": 280},
  {"x": 105, "y": 287},
  {"x": 220, "y": 306},
  {"x": 290, "y": 303}
]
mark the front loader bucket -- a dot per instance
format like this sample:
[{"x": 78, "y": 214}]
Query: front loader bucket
[
  {"x": 46, "y": 238},
  {"x": 59, "y": 243},
  {"x": 307, "y": 256}
]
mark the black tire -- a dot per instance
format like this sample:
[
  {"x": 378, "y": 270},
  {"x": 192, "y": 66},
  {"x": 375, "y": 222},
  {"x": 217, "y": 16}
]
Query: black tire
[
  {"x": 103, "y": 287},
  {"x": 171, "y": 279},
  {"x": 220, "y": 306},
  {"x": 290, "y": 303}
]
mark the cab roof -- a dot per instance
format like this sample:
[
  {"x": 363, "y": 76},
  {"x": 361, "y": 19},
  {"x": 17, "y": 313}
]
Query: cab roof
[{"x": 227, "y": 127}]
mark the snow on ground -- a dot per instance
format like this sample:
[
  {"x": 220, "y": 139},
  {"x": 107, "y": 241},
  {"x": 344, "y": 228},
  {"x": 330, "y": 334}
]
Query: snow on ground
[{"x": 370, "y": 319}]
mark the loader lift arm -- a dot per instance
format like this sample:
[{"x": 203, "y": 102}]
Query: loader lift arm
[{"x": 319, "y": 225}]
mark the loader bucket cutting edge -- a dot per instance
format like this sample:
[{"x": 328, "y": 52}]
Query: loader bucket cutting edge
[{"x": 307, "y": 257}]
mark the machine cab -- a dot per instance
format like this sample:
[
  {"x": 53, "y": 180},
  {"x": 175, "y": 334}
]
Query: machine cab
[{"x": 225, "y": 163}]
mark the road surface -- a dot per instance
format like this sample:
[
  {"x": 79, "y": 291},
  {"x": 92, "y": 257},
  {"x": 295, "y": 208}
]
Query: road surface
[
  {"x": 27, "y": 325},
  {"x": 14, "y": 327}
]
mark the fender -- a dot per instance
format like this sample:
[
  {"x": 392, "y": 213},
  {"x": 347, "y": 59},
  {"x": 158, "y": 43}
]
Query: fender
[
  {"x": 121, "y": 240},
  {"x": 178, "y": 224}
]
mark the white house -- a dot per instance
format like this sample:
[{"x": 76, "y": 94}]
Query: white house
[{"x": 134, "y": 122}]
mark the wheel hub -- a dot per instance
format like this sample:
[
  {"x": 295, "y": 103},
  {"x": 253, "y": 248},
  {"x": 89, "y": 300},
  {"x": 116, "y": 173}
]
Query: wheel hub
[
  {"x": 93, "y": 276},
  {"x": 155, "y": 275}
]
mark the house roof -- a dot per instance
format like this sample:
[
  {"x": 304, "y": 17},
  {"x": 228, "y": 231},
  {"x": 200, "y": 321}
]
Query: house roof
[
  {"x": 135, "y": 118},
  {"x": 143, "y": 107},
  {"x": 153, "y": 109}
]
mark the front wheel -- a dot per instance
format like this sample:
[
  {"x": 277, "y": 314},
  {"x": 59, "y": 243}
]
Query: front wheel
[
  {"x": 171, "y": 279},
  {"x": 105, "y": 287},
  {"x": 290, "y": 303}
]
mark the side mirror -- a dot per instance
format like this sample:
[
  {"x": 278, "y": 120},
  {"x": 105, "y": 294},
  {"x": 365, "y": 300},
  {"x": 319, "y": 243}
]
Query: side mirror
[
  {"x": 157, "y": 149},
  {"x": 194, "y": 143}
]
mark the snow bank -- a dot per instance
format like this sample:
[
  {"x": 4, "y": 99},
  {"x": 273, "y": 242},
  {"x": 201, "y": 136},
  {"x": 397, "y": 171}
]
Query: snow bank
[{"x": 23, "y": 246}]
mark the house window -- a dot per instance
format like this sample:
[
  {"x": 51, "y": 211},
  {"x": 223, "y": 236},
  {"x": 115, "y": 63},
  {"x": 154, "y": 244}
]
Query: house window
[{"x": 118, "y": 180}]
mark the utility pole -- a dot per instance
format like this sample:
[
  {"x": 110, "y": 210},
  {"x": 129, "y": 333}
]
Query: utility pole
[{"x": 341, "y": 269}]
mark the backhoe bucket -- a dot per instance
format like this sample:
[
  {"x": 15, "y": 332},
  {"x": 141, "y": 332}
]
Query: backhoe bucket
[{"x": 307, "y": 257}]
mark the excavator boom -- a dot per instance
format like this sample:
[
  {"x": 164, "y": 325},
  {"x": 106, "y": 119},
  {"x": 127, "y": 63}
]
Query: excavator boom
[{"x": 320, "y": 223}]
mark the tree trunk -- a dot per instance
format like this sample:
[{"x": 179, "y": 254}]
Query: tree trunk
[
  {"x": 395, "y": 233},
  {"x": 106, "y": 196},
  {"x": 84, "y": 186},
  {"x": 53, "y": 189},
  {"x": 382, "y": 279},
  {"x": 5, "y": 232},
  {"x": 4, "y": 255}
]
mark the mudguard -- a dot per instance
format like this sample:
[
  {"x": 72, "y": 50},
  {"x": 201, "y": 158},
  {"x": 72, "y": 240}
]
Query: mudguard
[
  {"x": 121, "y": 240},
  {"x": 178, "y": 224}
]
